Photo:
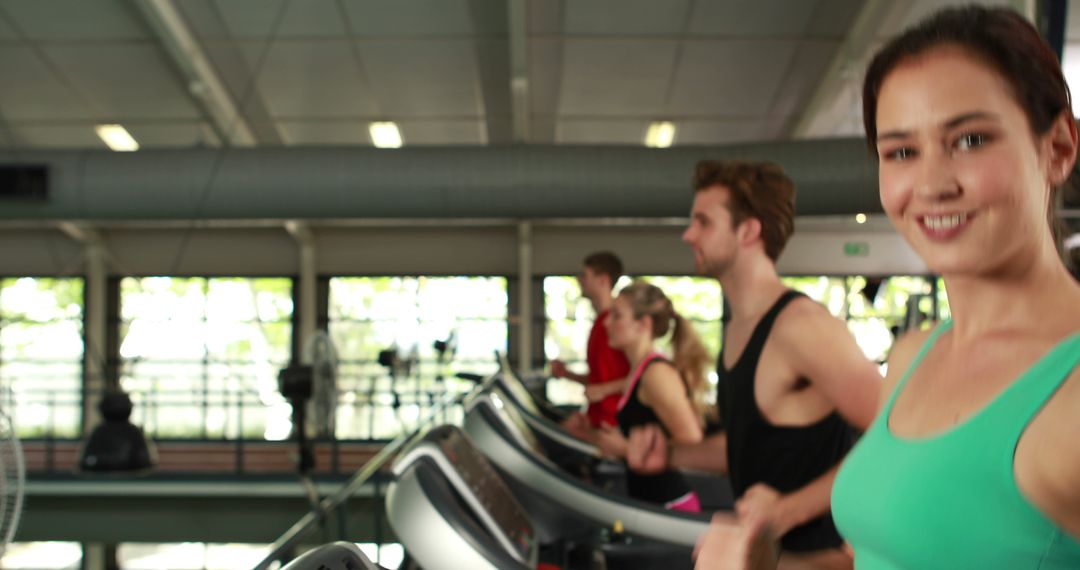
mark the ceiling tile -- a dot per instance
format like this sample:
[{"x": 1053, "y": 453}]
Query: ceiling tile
[
  {"x": 423, "y": 78},
  {"x": 545, "y": 71},
  {"x": 58, "y": 136},
  {"x": 921, "y": 9},
  {"x": 545, "y": 17},
  {"x": 255, "y": 18},
  {"x": 730, "y": 78},
  {"x": 7, "y": 33},
  {"x": 422, "y": 17},
  {"x": 125, "y": 80},
  {"x": 443, "y": 132},
  {"x": 192, "y": 134},
  {"x": 343, "y": 132},
  {"x": 32, "y": 91},
  {"x": 751, "y": 18},
  {"x": 833, "y": 18},
  {"x": 309, "y": 78},
  {"x": 67, "y": 20},
  {"x": 625, "y": 17},
  {"x": 722, "y": 132},
  {"x": 615, "y": 77},
  {"x": 797, "y": 87},
  {"x": 626, "y": 132}
]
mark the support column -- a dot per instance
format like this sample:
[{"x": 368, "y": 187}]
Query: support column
[
  {"x": 95, "y": 325},
  {"x": 525, "y": 304},
  {"x": 308, "y": 269}
]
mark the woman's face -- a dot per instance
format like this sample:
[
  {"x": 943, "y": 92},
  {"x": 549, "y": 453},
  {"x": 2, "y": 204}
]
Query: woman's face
[
  {"x": 622, "y": 328},
  {"x": 961, "y": 175}
]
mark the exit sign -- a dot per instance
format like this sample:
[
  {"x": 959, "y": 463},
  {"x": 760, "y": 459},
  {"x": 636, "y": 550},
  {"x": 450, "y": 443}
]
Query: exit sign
[{"x": 856, "y": 249}]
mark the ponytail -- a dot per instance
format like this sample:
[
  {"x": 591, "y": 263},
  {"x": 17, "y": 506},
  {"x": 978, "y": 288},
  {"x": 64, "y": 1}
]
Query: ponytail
[
  {"x": 689, "y": 354},
  {"x": 691, "y": 358}
]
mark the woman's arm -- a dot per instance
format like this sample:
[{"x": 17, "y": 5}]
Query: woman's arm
[{"x": 663, "y": 390}]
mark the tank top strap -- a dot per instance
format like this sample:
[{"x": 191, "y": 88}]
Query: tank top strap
[
  {"x": 635, "y": 379},
  {"x": 1022, "y": 401},
  {"x": 764, "y": 326},
  {"x": 927, "y": 345}
]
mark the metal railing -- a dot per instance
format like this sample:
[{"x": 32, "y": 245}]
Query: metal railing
[
  {"x": 287, "y": 541},
  {"x": 242, "y": 411}
]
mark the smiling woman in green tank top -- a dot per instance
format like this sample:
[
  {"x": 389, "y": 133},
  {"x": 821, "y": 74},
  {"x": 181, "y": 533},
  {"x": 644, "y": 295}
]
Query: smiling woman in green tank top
[{"x": 973, "y": 460}]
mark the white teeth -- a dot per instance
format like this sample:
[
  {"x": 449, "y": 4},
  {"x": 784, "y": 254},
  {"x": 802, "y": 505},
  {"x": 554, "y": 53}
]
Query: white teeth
[{"x": 944, "y": 222}]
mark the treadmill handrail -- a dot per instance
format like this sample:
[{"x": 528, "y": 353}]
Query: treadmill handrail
[
  {"x": 292, "y": 536},
  {"x": 553, "y": 431},
  {"x": 540, "y": 423}
]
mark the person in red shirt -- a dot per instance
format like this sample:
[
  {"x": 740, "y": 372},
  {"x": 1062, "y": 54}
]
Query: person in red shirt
[{"x": 608, "y": 367}]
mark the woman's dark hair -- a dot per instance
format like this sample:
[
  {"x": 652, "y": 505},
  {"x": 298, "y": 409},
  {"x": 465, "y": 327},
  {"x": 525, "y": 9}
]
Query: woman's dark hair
[{"x": 1002, "y": 39}]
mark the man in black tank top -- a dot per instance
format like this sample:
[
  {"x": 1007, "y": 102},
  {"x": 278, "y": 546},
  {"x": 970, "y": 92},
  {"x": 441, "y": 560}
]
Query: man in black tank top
[{"x": 791, "y": 378}]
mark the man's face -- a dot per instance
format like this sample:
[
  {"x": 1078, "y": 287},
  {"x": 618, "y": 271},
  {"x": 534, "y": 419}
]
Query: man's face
[
  {"x": 591, "y": 282},
  {"x": 710, "y": 234}
]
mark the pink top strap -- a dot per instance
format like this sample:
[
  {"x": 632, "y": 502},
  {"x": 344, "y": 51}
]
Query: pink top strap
[{"x": 636, "y": 377}]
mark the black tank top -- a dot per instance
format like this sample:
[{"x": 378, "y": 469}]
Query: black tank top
[
  {"x": 785, "y": 458},
  {"x": 663, "y": 487}
]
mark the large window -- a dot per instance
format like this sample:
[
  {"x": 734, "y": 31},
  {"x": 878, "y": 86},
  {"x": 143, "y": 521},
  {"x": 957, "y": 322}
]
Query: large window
[
  {"x": 189, "y": 556},
  {"x": 408, "y": 314},
  {"x": 873, "y": 308},
  {"x": 42, "y": 556},
  {"x": 200, "y": 356},
  {"x": 41, "y": 351}
]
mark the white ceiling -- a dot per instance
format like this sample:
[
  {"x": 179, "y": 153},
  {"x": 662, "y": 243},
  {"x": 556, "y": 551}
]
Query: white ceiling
[{"x": 315, "y": 72}]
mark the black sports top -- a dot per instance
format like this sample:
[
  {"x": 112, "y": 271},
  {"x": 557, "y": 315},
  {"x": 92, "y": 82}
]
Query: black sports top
[
  {"x": 785, "y": 458},
  {"x": 662, "y": 488}
]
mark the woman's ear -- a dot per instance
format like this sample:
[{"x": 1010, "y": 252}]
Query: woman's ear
[
  {"x": 1061, "y": 143},
  {"x": 646, "y": 324}
]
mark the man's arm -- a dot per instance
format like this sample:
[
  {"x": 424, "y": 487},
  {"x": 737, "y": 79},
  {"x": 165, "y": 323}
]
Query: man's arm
[
  {"x": 559, "y": 370},
  {"x": 785, "y": 512},
  {"x": 813, "y": 499},
  {"x": 820, "y": 348},
  {"x": 708, "y": 455},
  {"x": 649, "y": 451}
]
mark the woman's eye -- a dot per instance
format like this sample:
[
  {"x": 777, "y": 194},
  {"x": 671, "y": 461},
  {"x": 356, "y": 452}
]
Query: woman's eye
[
  {"x": 898, "y": 154},
  {"x": 970, "y": 141}
]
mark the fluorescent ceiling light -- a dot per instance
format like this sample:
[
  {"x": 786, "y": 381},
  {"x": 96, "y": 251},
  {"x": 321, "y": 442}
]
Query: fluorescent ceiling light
[
  {"x": 660, "y": 134},
  {"x": 117, "y": 137},
  {"x": 385, "y": 135}
]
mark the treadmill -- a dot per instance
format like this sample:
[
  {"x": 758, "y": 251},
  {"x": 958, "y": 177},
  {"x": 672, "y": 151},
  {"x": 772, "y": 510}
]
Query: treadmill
[
  {"x": 334, "y": 556},
  {"x": 584, "y": 459},
  {"x": 564, "y": 507},
  {"x": 451, "y": 509}
]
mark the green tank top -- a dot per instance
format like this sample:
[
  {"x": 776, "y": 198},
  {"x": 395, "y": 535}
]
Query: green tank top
[{"x": 950, "y": 500}]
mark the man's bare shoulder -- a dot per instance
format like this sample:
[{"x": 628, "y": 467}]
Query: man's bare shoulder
[{"x": 805, "y": 321}]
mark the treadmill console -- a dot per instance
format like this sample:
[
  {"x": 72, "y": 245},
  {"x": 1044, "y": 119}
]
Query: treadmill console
[
  {"x": 478, "y": 484},
  {"x": 333, "y": 556}
]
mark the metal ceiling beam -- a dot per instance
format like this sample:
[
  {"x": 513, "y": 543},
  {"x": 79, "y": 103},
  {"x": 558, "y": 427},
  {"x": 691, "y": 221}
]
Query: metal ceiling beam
[
  {"x": 203, "y": 83},
  {"x": 518, "y": 26},
  {"x": 839, "y": 90},
  {"x": 838, "y": 93}
]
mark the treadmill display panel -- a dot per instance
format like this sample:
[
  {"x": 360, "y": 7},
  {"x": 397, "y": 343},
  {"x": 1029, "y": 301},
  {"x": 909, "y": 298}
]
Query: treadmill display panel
[{"x": 488, "y": 488}]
